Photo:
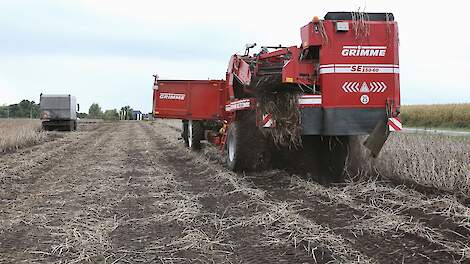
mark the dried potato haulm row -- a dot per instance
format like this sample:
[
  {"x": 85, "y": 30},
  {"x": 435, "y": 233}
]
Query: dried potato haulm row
[
  {"x": 442, "y": 162},
  {"x": 16, "y": 133}
]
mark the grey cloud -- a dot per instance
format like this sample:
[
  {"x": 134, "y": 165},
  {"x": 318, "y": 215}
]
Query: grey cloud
[{"x": 50, "y": 29}]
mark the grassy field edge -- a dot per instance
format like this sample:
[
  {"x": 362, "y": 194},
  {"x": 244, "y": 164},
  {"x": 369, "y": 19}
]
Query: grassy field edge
[{"x": 443, "y": 116}]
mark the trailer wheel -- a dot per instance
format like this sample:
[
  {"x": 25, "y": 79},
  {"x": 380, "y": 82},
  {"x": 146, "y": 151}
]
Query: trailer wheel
[
  {"x": 75, "y": 125},
  {"x": 195, "y": 134},
  {"x": 71, "y": 126},
  {"x": 45, "y": 126},
  {"x": 185, "y": 133}
]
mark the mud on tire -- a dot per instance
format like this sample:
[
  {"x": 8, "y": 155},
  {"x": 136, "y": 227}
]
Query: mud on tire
[
  {"x": 185, "y": 132},
  {"x": 334, "y": 153},
  {"x": 193, "y": 139},
  {"x": 246, "y": 147},
  {"x": 324, "y": 158},
  {"x": 195, "y": 135}
]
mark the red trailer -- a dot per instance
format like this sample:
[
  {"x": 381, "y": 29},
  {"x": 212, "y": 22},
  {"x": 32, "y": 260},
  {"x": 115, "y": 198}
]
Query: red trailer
[{"x": 344, "y": 78}]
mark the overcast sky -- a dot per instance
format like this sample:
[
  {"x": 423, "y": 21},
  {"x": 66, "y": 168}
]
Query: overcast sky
[{"x": 106, "y": 51}]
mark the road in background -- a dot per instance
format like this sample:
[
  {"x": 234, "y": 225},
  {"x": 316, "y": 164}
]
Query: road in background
[{"x": 413, "y": 130}]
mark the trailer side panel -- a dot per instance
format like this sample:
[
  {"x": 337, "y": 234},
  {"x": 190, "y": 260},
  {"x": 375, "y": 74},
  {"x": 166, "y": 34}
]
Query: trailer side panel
[{"x": 189, "y": 99}]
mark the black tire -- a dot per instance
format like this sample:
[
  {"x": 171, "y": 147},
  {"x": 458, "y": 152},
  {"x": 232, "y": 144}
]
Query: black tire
[
  {"x": 185, "y": 133},
  {"x": 194, "y": 138},
  {"x": 45, "y": 126},
  {"x": 234, "y": 149},
  {"x": 246, "y": 148},
  {"x": 333, "y": 156},
  {"x": 75, "y": 125}
]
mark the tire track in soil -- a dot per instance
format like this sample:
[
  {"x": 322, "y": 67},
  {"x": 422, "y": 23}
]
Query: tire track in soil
[
  {"x": 451, "y": 231},
  {"x": 22, "y": 168},
  {"x": 141, "y": 237},
  {"x": 103, "y": 187},
  {"x": 391, "y": 247},
  {"x": 453, "y": 227},
  {"x": 427, "y": 218},
  {"x": 40, "y": 153},
  {"x": 109, "y": 180},
  {"x": 26, "y": 167},
  {"x": 248, "y": 247},
  {"x": 24, "y": 212}
]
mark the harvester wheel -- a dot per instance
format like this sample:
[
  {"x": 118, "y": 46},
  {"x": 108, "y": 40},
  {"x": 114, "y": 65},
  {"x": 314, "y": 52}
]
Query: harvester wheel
[
  {"x": 334, "y": 154},
  {"x": 246, "y": 148},
  {"x": 234, "y": 148},
  {"x": 195, "y": 134}
]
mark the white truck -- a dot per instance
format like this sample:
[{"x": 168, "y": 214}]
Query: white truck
[{"x": 58, "y": 112}]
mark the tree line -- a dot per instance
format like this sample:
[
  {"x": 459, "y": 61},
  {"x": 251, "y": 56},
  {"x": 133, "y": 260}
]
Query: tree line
[
  {"x": 24, "y": 109},
  {"x": 112, "y": 114},
  {"x": 30, "y": 109}
]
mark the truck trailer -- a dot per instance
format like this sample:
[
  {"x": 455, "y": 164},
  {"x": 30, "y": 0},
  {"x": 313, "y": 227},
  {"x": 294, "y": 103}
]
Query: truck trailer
[
  {"x": 341, "y": 82},
  {"x": 58, "y": 112}
]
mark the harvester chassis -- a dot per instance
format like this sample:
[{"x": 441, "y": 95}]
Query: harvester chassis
[{"x": 297, "y": 104}]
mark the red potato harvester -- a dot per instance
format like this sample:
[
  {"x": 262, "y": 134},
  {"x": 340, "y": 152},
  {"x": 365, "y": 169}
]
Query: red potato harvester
[{"x": 342, "y": 82}]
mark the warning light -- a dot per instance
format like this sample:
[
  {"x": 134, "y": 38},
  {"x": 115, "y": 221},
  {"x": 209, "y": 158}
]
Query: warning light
[{"x": 315, "y": 19}]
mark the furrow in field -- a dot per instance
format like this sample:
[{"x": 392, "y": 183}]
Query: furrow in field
[
  {"x": 396, "y": 209},
  {"x": 18, "y": 166},
  {"x": 32, "y": 221},
  {"x": 418, "y": 242},
  {"x": 277, "y": 223}
]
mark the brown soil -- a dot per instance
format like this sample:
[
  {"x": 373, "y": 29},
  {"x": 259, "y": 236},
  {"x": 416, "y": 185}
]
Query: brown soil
[{"x": 130, "y": 192}]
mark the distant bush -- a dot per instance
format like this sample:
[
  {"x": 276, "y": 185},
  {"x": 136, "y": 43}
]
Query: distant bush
[
  {"x": 95, "y": 111},
  {"x": 82, "y": 115},
  {"x": 436, "y": 116},
  {"x": 111, "y": 115}
]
